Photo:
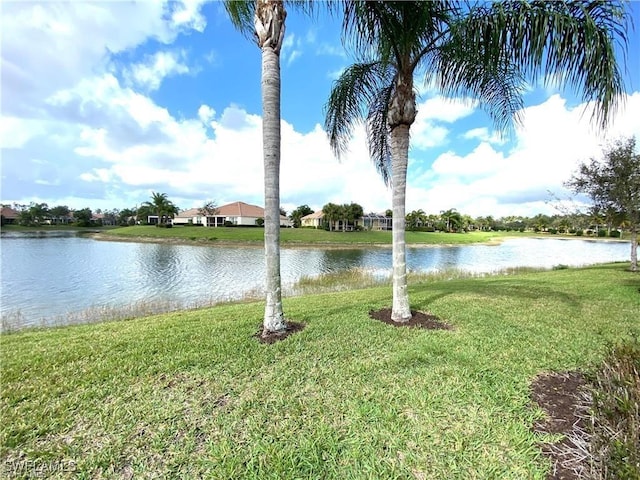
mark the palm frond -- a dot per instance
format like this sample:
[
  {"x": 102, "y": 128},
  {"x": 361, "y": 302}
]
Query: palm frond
[
  {"x": 378, "y": 132},
  {"x": 241, "y": 13},
  {"x": 572, "y": 41},
  {"x": 462, "y": 69},
  {"x": 356, "y": 88}
]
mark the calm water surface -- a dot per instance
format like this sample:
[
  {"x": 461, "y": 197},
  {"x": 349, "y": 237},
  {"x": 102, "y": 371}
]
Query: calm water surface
[{"x": 45, "y": 278}]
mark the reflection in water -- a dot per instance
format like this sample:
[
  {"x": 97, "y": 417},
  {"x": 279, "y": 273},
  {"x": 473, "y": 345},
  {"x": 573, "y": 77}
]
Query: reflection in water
[
  {"x": 338, "y": 259},
  {"x": 52, "y": 276}
]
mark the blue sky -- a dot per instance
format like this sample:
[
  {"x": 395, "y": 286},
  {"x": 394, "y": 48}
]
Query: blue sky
[{"x": 105, "y": 102}]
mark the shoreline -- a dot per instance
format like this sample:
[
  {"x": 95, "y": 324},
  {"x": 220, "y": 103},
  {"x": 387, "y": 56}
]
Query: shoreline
[
  {"x": 100, "y": 236},
  {"x": 202, "y": 242}
]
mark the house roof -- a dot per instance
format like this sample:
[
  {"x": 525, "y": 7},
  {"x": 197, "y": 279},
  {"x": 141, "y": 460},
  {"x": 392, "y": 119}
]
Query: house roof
[
  {"x": 235, "y": 209},
  {"x": 8, "y": 212},
  {"x": 192, "y": 212},
  {"x": 313, "y": 215},
  {"x": 240, "y": 209}
]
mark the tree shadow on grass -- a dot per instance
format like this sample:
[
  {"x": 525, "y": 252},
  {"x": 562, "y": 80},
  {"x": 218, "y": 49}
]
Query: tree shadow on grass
[{"x": 496, "y": 288}]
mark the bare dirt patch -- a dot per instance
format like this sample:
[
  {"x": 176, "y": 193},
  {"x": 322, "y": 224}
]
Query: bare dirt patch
[
  {"x": 418, "y": 320},
  {"x": 273, "y": 337},
  {"x": 559, "y": 395}
]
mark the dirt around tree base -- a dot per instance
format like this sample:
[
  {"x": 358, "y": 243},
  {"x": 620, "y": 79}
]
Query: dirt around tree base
[
  {"x": 558, "y": 394},
  {"x": 418, "y": 320},
  {"x": 273, "y": 337}
]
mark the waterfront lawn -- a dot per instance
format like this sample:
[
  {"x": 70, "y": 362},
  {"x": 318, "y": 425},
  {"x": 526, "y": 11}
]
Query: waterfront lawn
[
  {"x": 302, "y": 236},
  {"x": 194, "y": 395}
]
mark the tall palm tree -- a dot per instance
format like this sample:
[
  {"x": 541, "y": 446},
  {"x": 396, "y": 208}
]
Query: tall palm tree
[
  {"x": 482, "y": 52},
  {"x": 264, "y": 22}
]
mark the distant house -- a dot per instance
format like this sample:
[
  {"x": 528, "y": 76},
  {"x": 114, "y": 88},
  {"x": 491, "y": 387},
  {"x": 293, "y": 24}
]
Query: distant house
[
  {"x": 370, "y": 221},
  {"x": 236, "y": 213},
  {"x": 312, "y": 220},
  {"x": 377, "y": 221},
  {"x": 102, "y": 219},
  {"x": 190, "y": 217},
  {"x": 9, "y": 216}
]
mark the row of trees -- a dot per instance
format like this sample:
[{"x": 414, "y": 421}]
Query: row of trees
[
  {"x": 453, "y": 221},
  {"x": 484, "y": 51},
  {"x": 346, "y": 214},
  {"x": 41, "y": 214},
  {"x": 36, "y": 214}
]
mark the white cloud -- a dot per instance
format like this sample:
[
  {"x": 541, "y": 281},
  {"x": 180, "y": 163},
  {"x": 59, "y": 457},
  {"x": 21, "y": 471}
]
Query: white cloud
[
  {"x": 445, "y": 109},
  {"x": 206, "y": 114},
  {"x": 149, "y": 75},
  {"x": 551, "y": 142},
  {"x": 291, "y": 48},
  {"x": 427, "y": 131},
  {"x": 483, "y": 134},
  {"x": 67, "y": 41}
]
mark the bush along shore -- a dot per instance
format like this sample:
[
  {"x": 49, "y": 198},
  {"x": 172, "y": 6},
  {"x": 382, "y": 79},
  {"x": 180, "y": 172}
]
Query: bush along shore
[{"x": 194, "y": 394}]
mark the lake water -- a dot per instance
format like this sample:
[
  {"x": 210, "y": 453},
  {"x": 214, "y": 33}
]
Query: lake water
[{"x": 49, "y": 278}]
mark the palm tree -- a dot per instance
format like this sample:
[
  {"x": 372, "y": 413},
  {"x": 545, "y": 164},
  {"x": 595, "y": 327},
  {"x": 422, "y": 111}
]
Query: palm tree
[
  {"x": 161, "y": 206},
  {"x": 415, "y": 219},
  {"x": 452, "y": 219},
  {"x": 482, "y": 52},
  {"x": 264, "y": 21},
  {"x": 331, "y": 213}
]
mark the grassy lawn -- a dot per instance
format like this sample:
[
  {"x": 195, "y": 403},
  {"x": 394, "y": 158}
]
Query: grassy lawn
[
  {"x": 195, "y": 395},
  {"x": 304, "y": 236}
]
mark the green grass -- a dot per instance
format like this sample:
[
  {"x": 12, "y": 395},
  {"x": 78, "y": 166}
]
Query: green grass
[
  {"x": 195, "y": 395},
  {"x": 303, "y": 236}
]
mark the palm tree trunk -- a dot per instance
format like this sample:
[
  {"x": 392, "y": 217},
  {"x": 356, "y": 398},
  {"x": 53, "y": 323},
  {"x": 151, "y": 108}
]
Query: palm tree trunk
[
  {"x": 270, "y": 17},
  {"x": 399, "y": 142}
]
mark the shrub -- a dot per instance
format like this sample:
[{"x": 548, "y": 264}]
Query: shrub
[
  {"x": 602, "y": 233},
  {"x": 614, "y": 234},
  {"x": 579, "y": 233},
  {"x": 553, "y": 231},
  {"x": 227, "y": 223},
  {"x": 615, "y": 440}
]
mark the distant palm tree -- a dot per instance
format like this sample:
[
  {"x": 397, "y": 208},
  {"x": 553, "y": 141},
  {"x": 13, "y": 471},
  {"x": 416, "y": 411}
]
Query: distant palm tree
[
  {"x": 161, "y": 206},
  {"x": 482, "y": 52},
  {"x": 331, "y": 213},
  {"x": 451, "y": 218},
  {"x": 416, "y": 219}
]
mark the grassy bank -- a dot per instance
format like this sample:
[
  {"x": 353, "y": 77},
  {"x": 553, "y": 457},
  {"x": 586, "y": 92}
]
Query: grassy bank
[
  {"x": 194, "y": 395},
  {"x": 299, "y": 236}
]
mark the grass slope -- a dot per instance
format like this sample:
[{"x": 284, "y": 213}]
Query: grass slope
[
  {"x": 293, "y": 236},
  {"x": 194, "y": 395}
]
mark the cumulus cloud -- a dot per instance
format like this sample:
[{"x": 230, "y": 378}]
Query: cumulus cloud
[
  {"x": 150, "y": 74},
  {"x": 76, "y": 40},
  {"x": 427, "y": 130},
  {"x": 552, "y": 140}
]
